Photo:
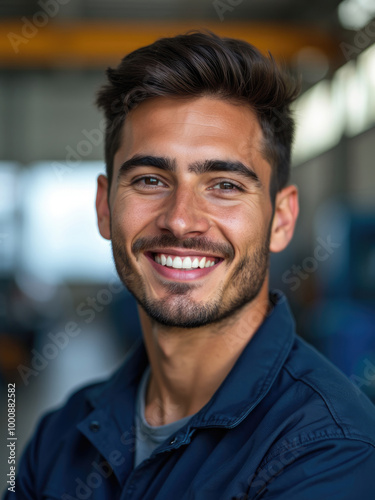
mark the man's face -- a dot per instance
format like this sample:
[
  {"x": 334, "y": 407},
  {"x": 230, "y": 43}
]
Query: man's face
[{"x": 190, "y": 209}]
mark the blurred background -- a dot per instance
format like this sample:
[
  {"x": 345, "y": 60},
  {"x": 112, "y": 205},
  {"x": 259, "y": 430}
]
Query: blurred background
[{"x": 64, "y": 318}]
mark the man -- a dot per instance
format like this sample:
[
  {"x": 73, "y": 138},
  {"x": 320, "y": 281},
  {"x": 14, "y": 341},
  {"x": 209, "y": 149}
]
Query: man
[{"x": 222, "y": 400}]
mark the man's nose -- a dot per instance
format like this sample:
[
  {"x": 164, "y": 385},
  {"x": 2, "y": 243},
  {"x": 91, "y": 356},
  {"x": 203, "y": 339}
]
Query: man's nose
[{"x": 184, "y": 214}]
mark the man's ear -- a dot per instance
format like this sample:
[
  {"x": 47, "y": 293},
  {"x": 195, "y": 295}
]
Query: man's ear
[
  {"x": 284, "y": 219},
  {"x": 102, "y": 208}
]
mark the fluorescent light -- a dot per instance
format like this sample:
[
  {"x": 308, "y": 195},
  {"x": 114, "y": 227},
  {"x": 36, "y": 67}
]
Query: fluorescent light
[{"x": 355, "y": 14}]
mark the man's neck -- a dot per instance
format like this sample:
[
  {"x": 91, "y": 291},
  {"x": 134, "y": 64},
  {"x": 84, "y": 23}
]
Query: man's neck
[{"x": 189, "y": 365}]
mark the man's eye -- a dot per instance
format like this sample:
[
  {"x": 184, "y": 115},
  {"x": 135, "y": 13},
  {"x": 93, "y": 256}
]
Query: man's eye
[
  {"x": 148, "y": 181},
  {"x": 226, "y": 186}
]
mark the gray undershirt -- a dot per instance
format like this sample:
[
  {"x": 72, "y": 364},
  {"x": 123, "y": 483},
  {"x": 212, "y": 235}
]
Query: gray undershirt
[{"x": 149, "y": 437}]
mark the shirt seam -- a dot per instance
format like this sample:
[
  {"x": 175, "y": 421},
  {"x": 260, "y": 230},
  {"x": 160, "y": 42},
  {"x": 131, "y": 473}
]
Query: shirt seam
[
  {"x": 309, "y": 442},
  {"x": 326, "y": 400}
]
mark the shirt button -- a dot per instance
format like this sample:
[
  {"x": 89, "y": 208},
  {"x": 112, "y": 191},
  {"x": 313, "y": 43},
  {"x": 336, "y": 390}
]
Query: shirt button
[{"x": 94, "y": 426}]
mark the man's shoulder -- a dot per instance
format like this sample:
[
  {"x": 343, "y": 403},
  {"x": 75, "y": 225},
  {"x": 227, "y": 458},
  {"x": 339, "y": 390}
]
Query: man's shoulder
[
  {"x": 316, "y": 431},
  {"x": 61, "y": 434},
  {"x": 55, "y": 429},
  {"x": 335, "y": 406},
  {"x": 80, "y": 403},
  {"x": 55, "y": 424}
]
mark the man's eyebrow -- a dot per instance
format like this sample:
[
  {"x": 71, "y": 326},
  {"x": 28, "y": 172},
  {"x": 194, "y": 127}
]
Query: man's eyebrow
[
  {"x": 236, "y": 167},
  {"x": 146, "y": 161},
  {"x": 203, "y": 167}
]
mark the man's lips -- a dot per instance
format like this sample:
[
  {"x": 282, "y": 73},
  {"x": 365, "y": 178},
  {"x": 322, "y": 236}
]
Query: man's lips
[
  {"x": 182, "y": 265},
  {"x": 183, "y": 252}
]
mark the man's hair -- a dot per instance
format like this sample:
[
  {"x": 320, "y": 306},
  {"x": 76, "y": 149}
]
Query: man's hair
[{"x": 203, "y": 64}]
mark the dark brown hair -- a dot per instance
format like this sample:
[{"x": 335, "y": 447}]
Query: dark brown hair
[{"x": 201, "y": 64}]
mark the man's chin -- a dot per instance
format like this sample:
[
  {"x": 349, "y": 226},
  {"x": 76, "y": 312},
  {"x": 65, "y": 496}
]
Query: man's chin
[
  {"x": 179, "y": 312},
  {"x": 171, "y": 289}
]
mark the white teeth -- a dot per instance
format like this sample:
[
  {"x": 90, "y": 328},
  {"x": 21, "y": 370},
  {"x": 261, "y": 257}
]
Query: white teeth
[
  {"x": 177, "y": 263},
  {"x": 195, "y": 263},
  {"x": 183, "y": 263},
  {"x": 202, "y": 263},
  {"x": 187, "y": 263}
]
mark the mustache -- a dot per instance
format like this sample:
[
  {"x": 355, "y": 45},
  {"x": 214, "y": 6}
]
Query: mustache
[{"x": 200, "y": 244}]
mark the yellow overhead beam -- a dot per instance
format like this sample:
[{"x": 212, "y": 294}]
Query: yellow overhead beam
[{"x": 30, "y": 43}]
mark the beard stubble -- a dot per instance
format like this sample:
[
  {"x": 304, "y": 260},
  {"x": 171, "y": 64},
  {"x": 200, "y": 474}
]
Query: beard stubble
[{"x": 178, "y": 308}]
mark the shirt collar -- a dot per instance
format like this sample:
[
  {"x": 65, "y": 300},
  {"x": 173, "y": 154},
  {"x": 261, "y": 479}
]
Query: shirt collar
[
  {"x": 245, "y": 386},
  {"x": 255, "y": 370}
]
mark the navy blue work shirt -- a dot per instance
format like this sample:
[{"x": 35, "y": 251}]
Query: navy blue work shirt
[{"x": 285, "y": 424}]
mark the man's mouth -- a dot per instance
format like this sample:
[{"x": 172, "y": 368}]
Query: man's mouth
[
  {"x": 182, "y": 265},
  {"x": 184, "y": 262}
]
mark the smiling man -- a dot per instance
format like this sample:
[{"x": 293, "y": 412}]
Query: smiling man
[
  {"x": 192, "y": 182},
  {"x": 221, "y": 399}
]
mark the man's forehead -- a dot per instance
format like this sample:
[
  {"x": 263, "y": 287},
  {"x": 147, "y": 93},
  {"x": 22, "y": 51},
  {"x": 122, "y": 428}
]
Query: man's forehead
[
  {"x": 204, "y": 109},
  {"x": 161, "y": 118}
]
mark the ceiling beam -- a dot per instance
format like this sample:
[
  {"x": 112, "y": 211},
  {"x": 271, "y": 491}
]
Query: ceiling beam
[{"x": 99, "y": 44}]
